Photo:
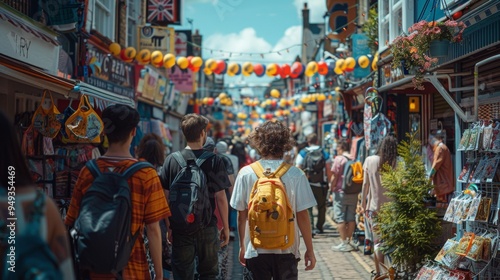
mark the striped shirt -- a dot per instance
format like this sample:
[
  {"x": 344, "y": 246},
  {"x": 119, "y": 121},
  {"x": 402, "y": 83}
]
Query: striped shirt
[{"x": 148, "y": 206}]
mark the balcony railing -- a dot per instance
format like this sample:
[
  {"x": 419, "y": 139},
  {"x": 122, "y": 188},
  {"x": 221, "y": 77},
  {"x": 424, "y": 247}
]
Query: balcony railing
[{"x": 26, "y": 7}]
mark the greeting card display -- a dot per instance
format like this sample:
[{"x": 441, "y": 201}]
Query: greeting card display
[
  {"x": 475, "y": 134},
  {"x": 464, "y": 142}
]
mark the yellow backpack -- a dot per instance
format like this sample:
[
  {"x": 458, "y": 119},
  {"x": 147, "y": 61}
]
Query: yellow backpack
[{"x": 270, "y": 214}]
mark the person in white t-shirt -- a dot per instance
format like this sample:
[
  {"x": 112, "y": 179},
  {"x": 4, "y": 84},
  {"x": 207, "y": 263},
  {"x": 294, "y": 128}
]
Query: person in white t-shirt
[{"x": 272, "y": 139}]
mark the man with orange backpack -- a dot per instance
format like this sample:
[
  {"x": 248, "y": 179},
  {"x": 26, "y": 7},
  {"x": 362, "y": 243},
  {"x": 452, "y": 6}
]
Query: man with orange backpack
[{"x": 272, "y": 199}]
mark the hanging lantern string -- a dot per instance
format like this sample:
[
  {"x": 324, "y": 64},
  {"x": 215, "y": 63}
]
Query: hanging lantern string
[{"x": 263, "y": 54}]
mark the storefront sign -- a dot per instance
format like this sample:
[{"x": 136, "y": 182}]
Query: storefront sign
[
  {"x": 360, "y": 47},
  {"x": 343, "y": 13},
  {"x": 26, "y": 42},
  {"x": 184, "y": 80},
  {"x": 111, "y": 74},
  {"x": 156, "y": 38},
  {"x": 151, "y": 84}
]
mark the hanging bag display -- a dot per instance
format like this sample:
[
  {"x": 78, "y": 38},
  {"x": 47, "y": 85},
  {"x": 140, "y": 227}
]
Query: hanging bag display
[
  {"x": 46, "y": 121},
  {"x": 84, "y": 126}
]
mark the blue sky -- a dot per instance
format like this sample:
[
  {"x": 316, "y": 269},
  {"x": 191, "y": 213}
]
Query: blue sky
[{"x": 250, "y": 26}]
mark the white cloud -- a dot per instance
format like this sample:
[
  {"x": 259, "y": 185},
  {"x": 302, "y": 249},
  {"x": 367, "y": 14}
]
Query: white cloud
[
  {"x": 317, "y": 9},
  {"x": 248, "y": 41}
]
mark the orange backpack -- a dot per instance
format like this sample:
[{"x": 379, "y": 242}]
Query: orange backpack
[{"x": 270, "y": 214}]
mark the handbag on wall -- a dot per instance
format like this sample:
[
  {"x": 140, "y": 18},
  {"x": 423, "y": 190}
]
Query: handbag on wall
[
  {"x": 84, "y": 126},
  {"x": 47, "y": 121}
]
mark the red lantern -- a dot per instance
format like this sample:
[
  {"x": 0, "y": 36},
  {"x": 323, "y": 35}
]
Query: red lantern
[
  {"x": 297, "y": 68},
  {"x": 273, "y": 103},
  {"x": 285, "y": 70},
  {"x": 210, "y": 101},
  {"x": 278, "y": 70},
  {"x": 221, "y": 67},
  {"x": 294, "y": 75},
  {"x": 457, "y": 15},
  {"x": 189, "y": 61},
  {"x": 269, "y": 116},
  {"x": 322, "y": 68},
  {"x": 258, "y": 69}
]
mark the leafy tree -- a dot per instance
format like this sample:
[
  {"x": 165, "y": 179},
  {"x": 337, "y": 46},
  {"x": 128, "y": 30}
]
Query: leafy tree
[
  {"x": 370, "y": 28},
  {"x": 407, "y": 227}
]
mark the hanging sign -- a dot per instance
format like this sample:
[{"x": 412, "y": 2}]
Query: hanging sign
[
  {"x": 156, "y": 38},
  {"x": 360, "y": 47},
  {"x": 182, "y": 48},
  {"x": 184, "y": 80},
  {"x": 163, "y": 12}
]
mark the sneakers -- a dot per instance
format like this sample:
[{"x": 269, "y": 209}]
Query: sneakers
[{"x": 343, "y": 247}]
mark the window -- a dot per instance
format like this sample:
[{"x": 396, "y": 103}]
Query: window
[
  {"x": 133, "y": 14},
  {"x": 104, "y": 17},
  {"x": 396, "y": 17}
]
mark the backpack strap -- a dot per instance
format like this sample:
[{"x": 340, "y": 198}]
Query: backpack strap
[
  {"x": 206, "y": 155},
  {"x": 136, "y": 167},
  {"x": 282, "y": 169},
  {"x": 180, "y": 159},
  {"x": 93, "y": 168},
  {"x": 258, "y": 169}
]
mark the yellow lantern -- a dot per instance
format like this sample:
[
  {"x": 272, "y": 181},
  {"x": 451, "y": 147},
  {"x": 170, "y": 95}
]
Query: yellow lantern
[
  {"x": 321, "y": 97},
  {"x": 143, "y": 57},
  {"x": 247, "y": 68},
  {"x": 271, "y": 69},
  {"x": 211, "y": 64},
  {"x": 182, "y": 62},
  {"x": 130, "y": 53},
  {"x": 363, "y": 61},
  {"x": 286, "y": 112},
  {"x": 229, "y": 102},
  {"x": 156, "y": 57},
  {"x": 275, "y": 93},
  {"x": 242, "y": 116},
  {"x": 337, "y": 89},
  {"x": 283, "y": 102},
  {"x": 313, "y": 97},
  {"x": 222, "y": 95},
  {"x": 340, "y": 64},
  {"x": 197, "y": 61},
  {"x": 207, "y": 71},
  {"x": 115, "y": 49},
  {"x": 205, "y": 100},
  {"x": 169, "y": 60},
  {"x": 338, "y": 71},
  {"x": 350, "y": 63},
  {"x": 312, "y": 68}
]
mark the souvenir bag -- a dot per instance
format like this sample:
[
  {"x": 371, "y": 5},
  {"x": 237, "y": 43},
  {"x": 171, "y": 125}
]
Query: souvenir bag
[
  {"x": 68, "y": 112},
  {"x": 46, "y": 121},
  {"x": 84, "y": 126}
]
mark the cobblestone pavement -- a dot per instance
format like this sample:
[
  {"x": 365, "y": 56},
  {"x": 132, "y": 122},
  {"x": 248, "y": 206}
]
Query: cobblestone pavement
[{"x": 329, "y": 265}]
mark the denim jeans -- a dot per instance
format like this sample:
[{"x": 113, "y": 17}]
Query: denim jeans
[{"x": 205, "y": 245}]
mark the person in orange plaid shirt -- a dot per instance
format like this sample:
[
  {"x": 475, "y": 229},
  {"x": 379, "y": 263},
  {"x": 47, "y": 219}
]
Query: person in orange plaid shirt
[{"x": 149, "y": 204}]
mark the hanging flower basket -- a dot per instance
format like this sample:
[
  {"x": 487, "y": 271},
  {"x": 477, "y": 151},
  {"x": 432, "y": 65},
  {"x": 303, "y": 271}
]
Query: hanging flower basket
[{"x": 439, "y": 48}]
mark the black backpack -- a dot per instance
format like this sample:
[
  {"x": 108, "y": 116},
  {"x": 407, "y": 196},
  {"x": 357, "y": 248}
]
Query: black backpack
[
  {"x": 102, "y": 238},
  {"x": 314, "y": 165},
  {"x": 349, "y": 184},
  {"x": 189, "y": 198},
  {"x": 32, "y": 257}
]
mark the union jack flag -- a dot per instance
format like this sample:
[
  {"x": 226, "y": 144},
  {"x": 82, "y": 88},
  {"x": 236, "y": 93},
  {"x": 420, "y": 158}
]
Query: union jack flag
[{"x": 163, "y": 11}]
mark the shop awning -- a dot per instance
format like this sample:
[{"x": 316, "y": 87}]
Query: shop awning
[
  {"x": 104, "y": 97},
  {"x": 31, "y": 75}
]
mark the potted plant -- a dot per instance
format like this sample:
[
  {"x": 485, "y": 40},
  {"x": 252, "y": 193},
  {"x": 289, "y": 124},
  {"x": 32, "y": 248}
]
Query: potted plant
[{"x": 415, "y": 50}]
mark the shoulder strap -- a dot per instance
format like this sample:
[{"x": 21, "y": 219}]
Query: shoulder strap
[
  {"x": 203, "y": 158},
  {"x": 258, "y": 169},
  {"x": 180, "y": 159},
  {"x": 135, "y": 167},
  {"x": 282, "y": 169},
  {"x": 93, "y": 168}
]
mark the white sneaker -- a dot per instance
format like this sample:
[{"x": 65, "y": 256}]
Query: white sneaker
[
  {"x": 344, "y": 247},
  {"x": 336, "y": 247}
]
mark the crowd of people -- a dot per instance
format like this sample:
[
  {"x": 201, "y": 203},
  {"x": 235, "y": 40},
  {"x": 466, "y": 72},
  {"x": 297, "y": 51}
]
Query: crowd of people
[{"x": 184, "y": 208}]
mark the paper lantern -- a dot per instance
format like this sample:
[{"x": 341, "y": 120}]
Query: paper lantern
[
  {"x": 207, "y": 71},
  {"x": 247, "y": 68},
  {"x": 350, "y": 63},
  {"x": 321, "y": 97},
  {"x": 115, "y": 49},
  {"x": 182, "y": 62},
  {"x": 285, "y": 70},
  {"x": 374, "y": 62},
  {"x": 297, "y": 69},
  {"x": 210, "y": 101},
  {"x": 340, "y": 64},
  {"x": 363, "y": 61},
  {"x": 283, "y": 102},
  {"x": 156, "y": 57},
  {"x": 205, "y": 100},
  {"x": 211, "y": 64},
  {"x": 259, "y": 69},
  {"x": 275, "y": 93},
  {"x": 309, "y": 73},
  {"x": 271, "y": 69},
  {"x": 322, "y": 68},
  {"x": 220, "y": 68},
  {"x": 338, "y": 71},
  {"x": 130, "y": 53},
  {"x": 242, "y": 116},
  {"x": 294, "y": 75},
  {"x": 124, "y": 57},
  {"x": 312, "y": 67},
  {"x": 143, "y": 57},
  {"x": 194, "y": 69},
  {"x": 197, "y": 61},
  {"x": 222, "y": 95},
  {"x": 232, "y": 68},
  {"x": 169, "y": 60}
]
